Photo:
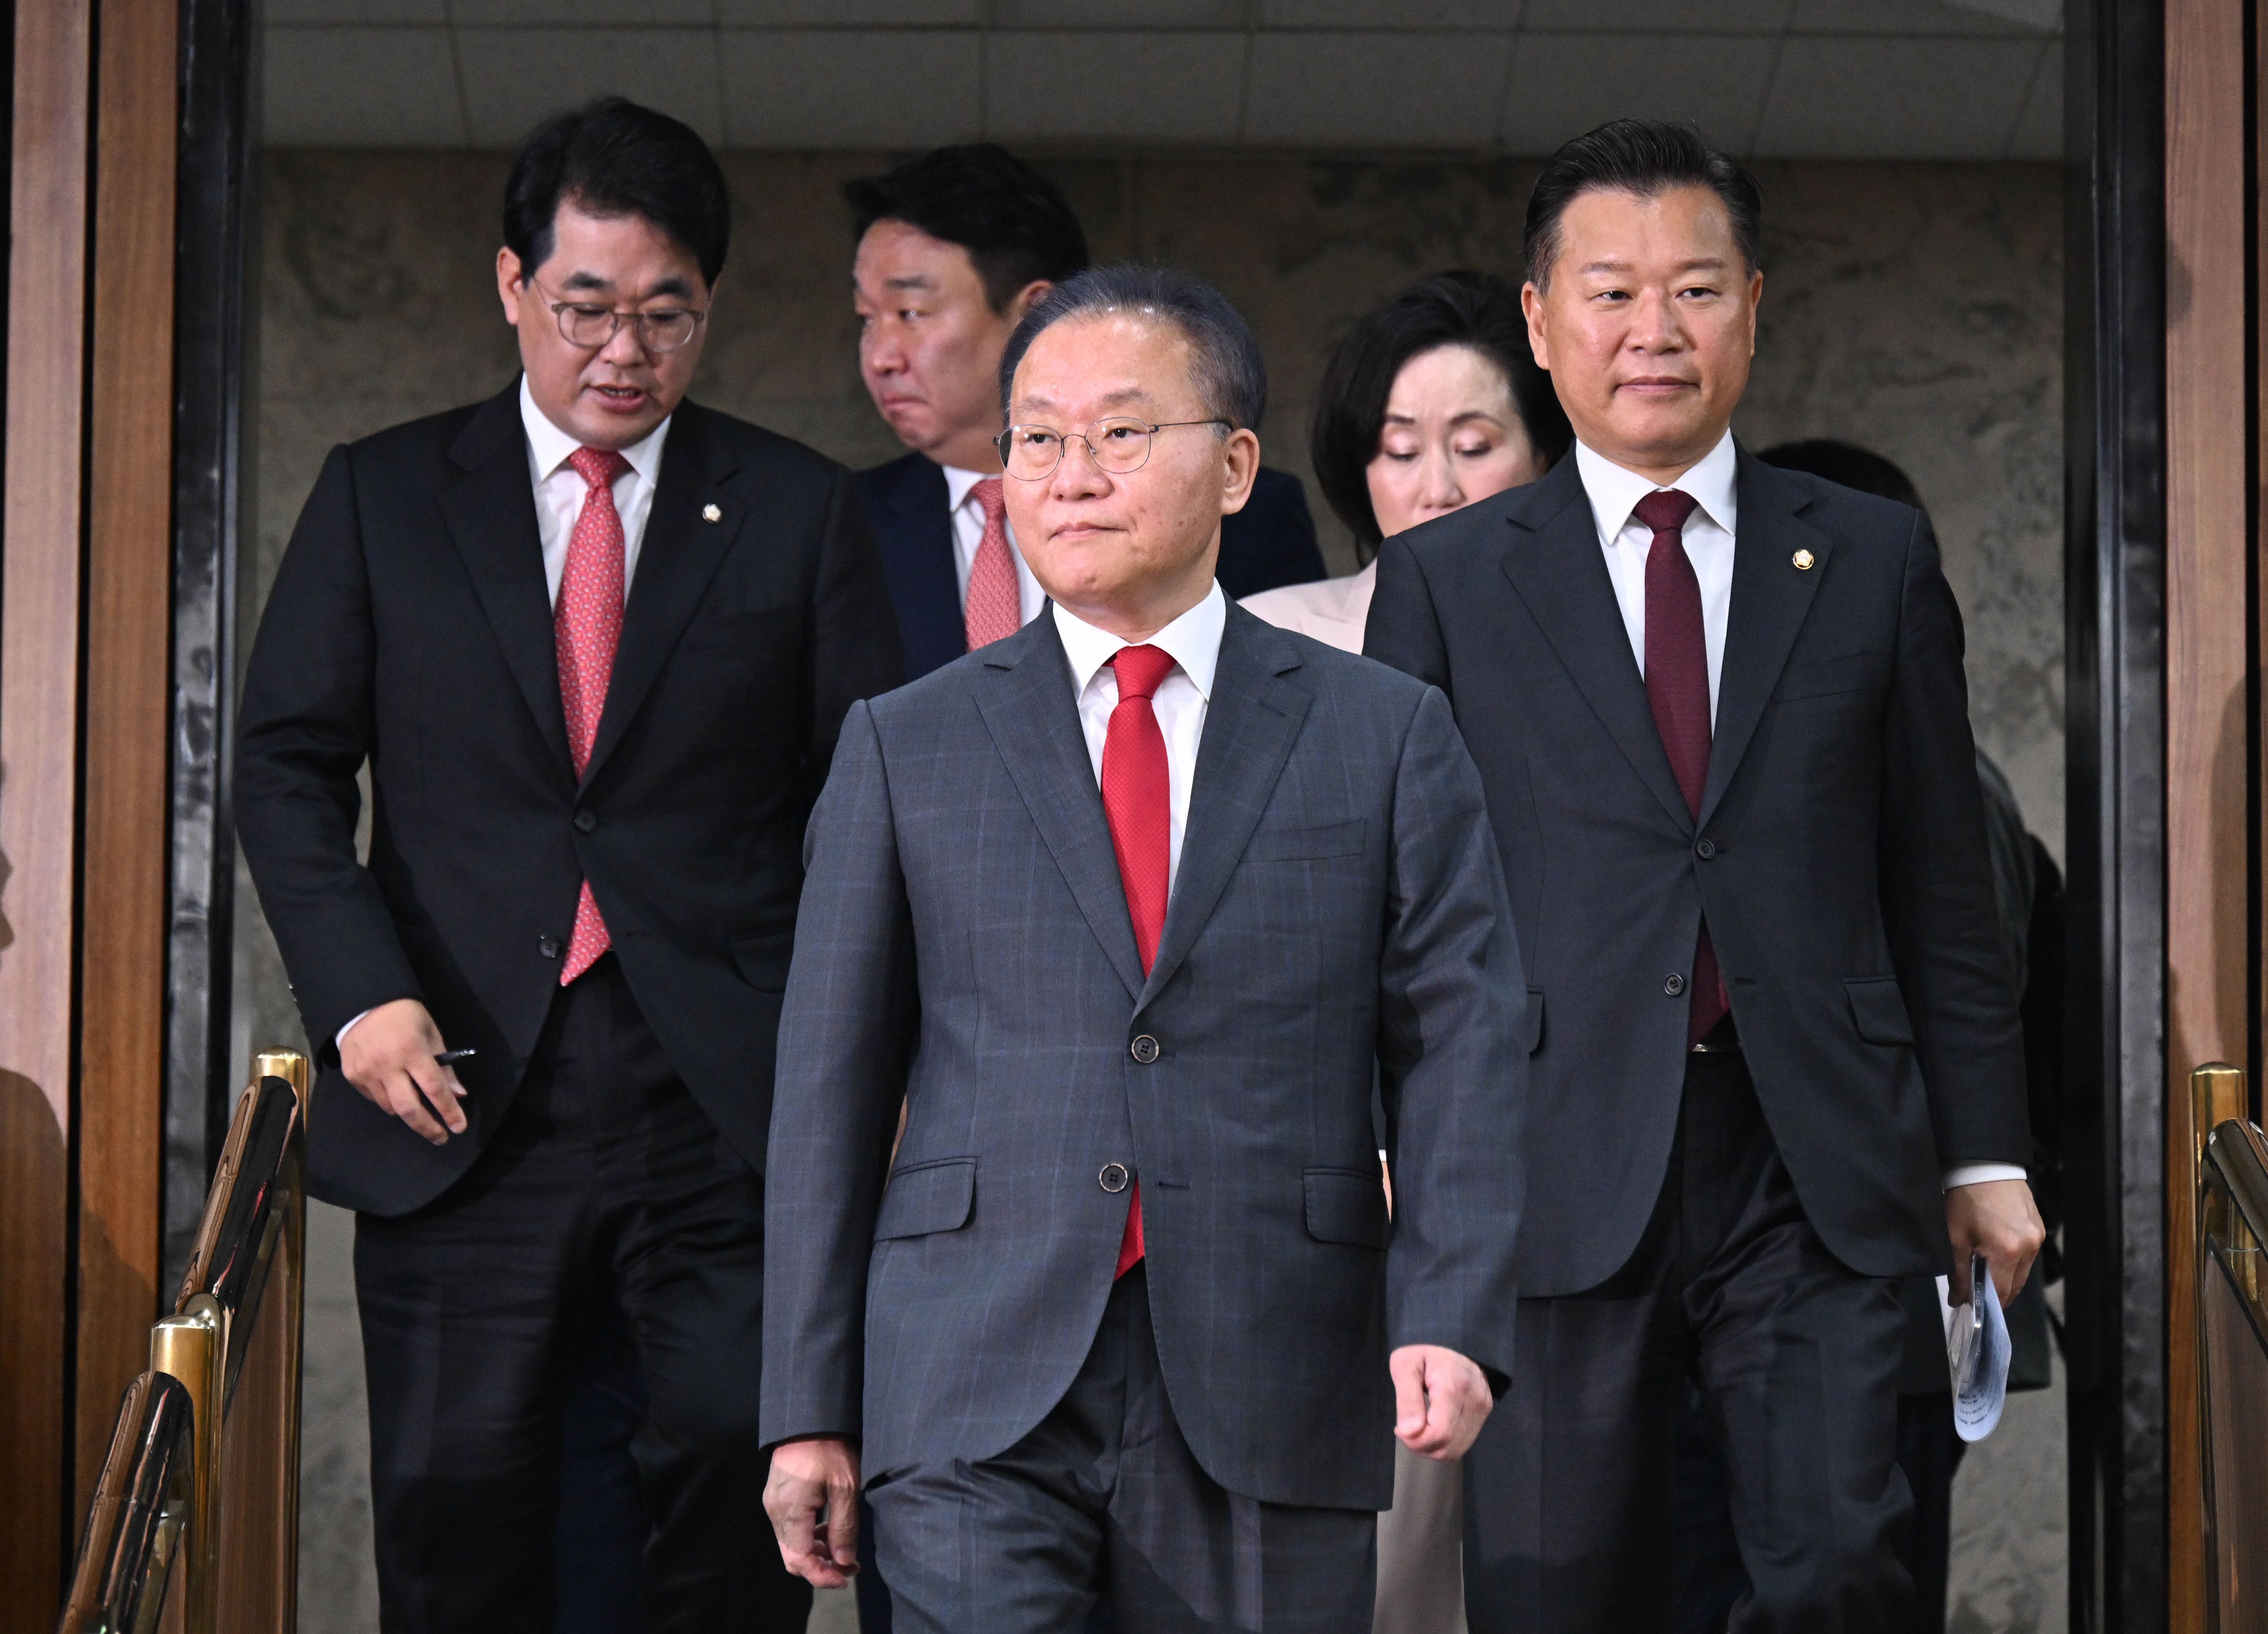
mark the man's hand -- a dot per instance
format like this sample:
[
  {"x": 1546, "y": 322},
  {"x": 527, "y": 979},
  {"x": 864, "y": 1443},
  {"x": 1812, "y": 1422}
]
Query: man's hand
[
  {"x": 1442, "y": 1401},
  {"x": 1997, "y": 1219},
  {"x": 813, "y": 1482},
  {"x": 388, "y": 1055}
]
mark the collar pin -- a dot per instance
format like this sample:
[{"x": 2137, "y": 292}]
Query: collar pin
[
  {"x": 712, "y": 513},
  {"x": 1802, "y": 560}
]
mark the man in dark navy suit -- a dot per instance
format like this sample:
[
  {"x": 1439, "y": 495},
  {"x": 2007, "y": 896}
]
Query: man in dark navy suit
[{"x": 954, "y": 249}]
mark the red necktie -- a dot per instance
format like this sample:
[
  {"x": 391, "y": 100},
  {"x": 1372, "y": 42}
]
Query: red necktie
[
  {"x": 1137, "y": 803},
  {"x": 1677, "y": 688},
  {"x": 994, "y": 607},
  {"x": 588, "y": 624}
]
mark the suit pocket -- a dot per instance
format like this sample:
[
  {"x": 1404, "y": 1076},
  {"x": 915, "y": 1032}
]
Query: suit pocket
[
  {"x": 1879, "y": 1009},
  {"x": 1346, "y": 1207},
  {"x": 1309, "y": 845},
  {"x": 1531, "y": 1024},
  {"x": 1822, "y": 677},
  {"x": 762, "y": 961},
  {"x": 934, "y": 1196}
]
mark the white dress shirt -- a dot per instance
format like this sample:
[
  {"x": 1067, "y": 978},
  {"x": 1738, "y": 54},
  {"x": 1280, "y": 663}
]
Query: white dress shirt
[
  {"x": 1180, "y": 702},
  {"x": 560, "y": 490},
  {"x": 1709, "y": 534},
  {"x": 967, "y": 514}
]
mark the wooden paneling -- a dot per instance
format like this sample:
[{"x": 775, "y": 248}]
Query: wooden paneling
[
  {"x": 129, "y": 564},
  {"x": 39, "y": 727},
  {"x": 2208, "y": 769}
]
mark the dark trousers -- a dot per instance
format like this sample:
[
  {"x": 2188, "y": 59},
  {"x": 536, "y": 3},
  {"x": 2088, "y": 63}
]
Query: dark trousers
[
  {"x": 1710, "y": 1576},
  {"x": 605, "y": 1179},
  {"x": 1101, "y": 1520},
  {"x": 1569, "y": 1509}
]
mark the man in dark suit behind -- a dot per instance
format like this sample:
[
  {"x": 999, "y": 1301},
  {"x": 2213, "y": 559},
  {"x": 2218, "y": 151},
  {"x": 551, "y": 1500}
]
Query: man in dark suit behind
[
  {"x": 1721, "y": 714},
  {"x": 1130, "y": 911},
  {"x": 954, "y": 249},
  {"x": 594, "y": 643}
]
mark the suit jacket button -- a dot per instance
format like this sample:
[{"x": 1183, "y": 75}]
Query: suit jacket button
[
  {"x": 547, "y": 946},
  {"x": 1144, "y": 1049},
  {"x": 1673, "y": 984},
  {"x": 1704, "y": 849},
  {"x": 585, "y": 821},
  {"x": 1113, "y": 1177}
]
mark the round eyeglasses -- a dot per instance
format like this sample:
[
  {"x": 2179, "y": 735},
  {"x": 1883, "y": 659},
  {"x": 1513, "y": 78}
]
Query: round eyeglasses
[
  {"x": 591, "y": 327},
  {"x": 1033, "y": 452}
]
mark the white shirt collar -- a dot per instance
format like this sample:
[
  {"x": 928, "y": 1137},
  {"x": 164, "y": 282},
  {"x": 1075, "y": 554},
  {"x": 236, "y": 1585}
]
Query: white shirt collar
[
  {"x": 959, "y": 482},
  {"x": 1193, "y": 640},
  {"x": 549, "y": 447},
  {"x": 1614, "y": 491}
]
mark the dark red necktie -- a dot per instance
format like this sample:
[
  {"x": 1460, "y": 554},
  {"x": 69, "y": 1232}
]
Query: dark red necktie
[
  {"x": 1677, "y": 688},
  {"x": 588, "y": 627},
  {"x": 1137, "y": 803}
]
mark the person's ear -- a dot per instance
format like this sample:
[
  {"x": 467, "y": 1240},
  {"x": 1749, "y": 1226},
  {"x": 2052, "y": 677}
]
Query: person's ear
[
  {"x": 1241, "y": 453},
  {"x": 509, "y": 286},
  {"x": 1756, "y": 299},
  {"x": 1026, "y": 298},
  {"x": 1531, "y": 303}
]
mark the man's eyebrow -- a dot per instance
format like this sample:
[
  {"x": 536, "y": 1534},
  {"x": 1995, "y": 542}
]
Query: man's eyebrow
[
  {"x": 672, "y": 286},
  {"x": 586, "y": 280},
  {"x": 910, "y": 281},
  {"x": 1699, "y": 263}
]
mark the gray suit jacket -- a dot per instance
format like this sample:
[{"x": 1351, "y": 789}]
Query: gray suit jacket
[{"x": 964, "y": 943}]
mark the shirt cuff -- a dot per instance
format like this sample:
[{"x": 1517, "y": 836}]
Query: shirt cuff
[
  {"x": 339, "y": 1039},
  {"x": 1960, "y": 1174}
]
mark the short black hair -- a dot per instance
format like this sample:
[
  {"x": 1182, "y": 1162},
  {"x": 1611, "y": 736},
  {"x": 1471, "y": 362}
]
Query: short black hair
[
  {"x": 1848, "y": 465},
  {"x": 1448, "y": 309},
  {"x": 1015, "y": 224},
  {"x": 1644, "y": 157},
  {"x": 614, "y": 158},
  {"x": 1228, "y": 368}
]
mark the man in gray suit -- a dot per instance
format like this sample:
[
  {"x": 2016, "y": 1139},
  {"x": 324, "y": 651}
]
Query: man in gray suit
[{"x": 1130, "y": 909}]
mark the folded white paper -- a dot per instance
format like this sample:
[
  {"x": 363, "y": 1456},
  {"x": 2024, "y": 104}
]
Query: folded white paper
[{"x": 1976, "y": 1352}]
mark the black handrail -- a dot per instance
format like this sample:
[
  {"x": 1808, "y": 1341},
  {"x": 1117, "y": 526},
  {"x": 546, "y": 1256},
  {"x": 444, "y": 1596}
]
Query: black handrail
[
  {"x": 127, "y": 1554},
  {"x": 2231, "y": 1316},
  {"x": 235, "y": 1240}
]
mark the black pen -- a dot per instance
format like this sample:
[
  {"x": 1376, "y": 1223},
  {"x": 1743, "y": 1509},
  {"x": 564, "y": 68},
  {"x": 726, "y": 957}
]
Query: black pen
[{"x": 450, "y": 1058}]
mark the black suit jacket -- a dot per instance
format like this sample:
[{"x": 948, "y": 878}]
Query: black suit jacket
[
  {"x": 1840, "y": 858},
  {"x": 1269, "y": 542},
  {"x": 410, "y": 624}
]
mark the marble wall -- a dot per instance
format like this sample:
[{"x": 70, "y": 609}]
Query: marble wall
[{"x": 1913, "y": 307}]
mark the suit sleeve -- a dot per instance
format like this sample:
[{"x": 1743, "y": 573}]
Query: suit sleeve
[
  {"x": 1937, "y": 900},
  {"x": 1451, "y": 1077},
  {"x": 854, "y": 651},
  {"x": 846, "y": 1039},
  {"x": 1404, "y": 631},
  {"x": 306, "y": 723}
]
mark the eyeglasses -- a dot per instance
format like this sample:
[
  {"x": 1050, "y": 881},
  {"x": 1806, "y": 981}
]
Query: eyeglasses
[
  {"x": 1032, "y": 453},
  {"x": 591, "y": 327}
]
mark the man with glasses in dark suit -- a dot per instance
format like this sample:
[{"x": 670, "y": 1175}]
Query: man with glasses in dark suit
[{"x": 594, "y": 643}]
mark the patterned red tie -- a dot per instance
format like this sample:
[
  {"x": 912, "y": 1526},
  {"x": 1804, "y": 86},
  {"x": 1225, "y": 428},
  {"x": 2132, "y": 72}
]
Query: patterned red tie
[
  {"x": 1137, "y": 803},
  {"x": 1677, "y": 688},
  {"x": 588, "y": 625},
  {"x": 995, "y": 607}
]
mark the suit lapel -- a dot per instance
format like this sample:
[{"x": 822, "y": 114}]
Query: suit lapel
[
  {"x": 1252, "y": 722},
  {"x": 1556, "y": 565},
  {"x": 1770, "y": 599},
  {"x": 491, "y": 514},
  {"x": 679, "y": 557},
  {"x": 1029, "y": 708}
]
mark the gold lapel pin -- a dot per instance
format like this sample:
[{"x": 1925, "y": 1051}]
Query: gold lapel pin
[
  {"x": 712, "y": 513},
  {"x": 1801, "y": 558}
]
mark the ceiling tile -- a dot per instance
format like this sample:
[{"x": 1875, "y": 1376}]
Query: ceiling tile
[
  {"x": 1907, "y": 99},
  {"x": 1663, "y": 17},
  {"x": 515, "y": 77},
  {"x": 554, "y": 14},
  {"x": 852, "y": 88},
  {"x": 1184, "y": 87},
  {"x": 849, "y": 13},
  {"x": 355, "y": 12},
  {"x": 2039, "y": 128},
  {"x": 1563, "y": 85},
  {"x": 1902, "y": 17},
  {"x": 1388, "y": 13},
  {"x": 359, "y": 87},
  {"x": 1153, "y": 16},
  {"x": 1390, "y": 90}
]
